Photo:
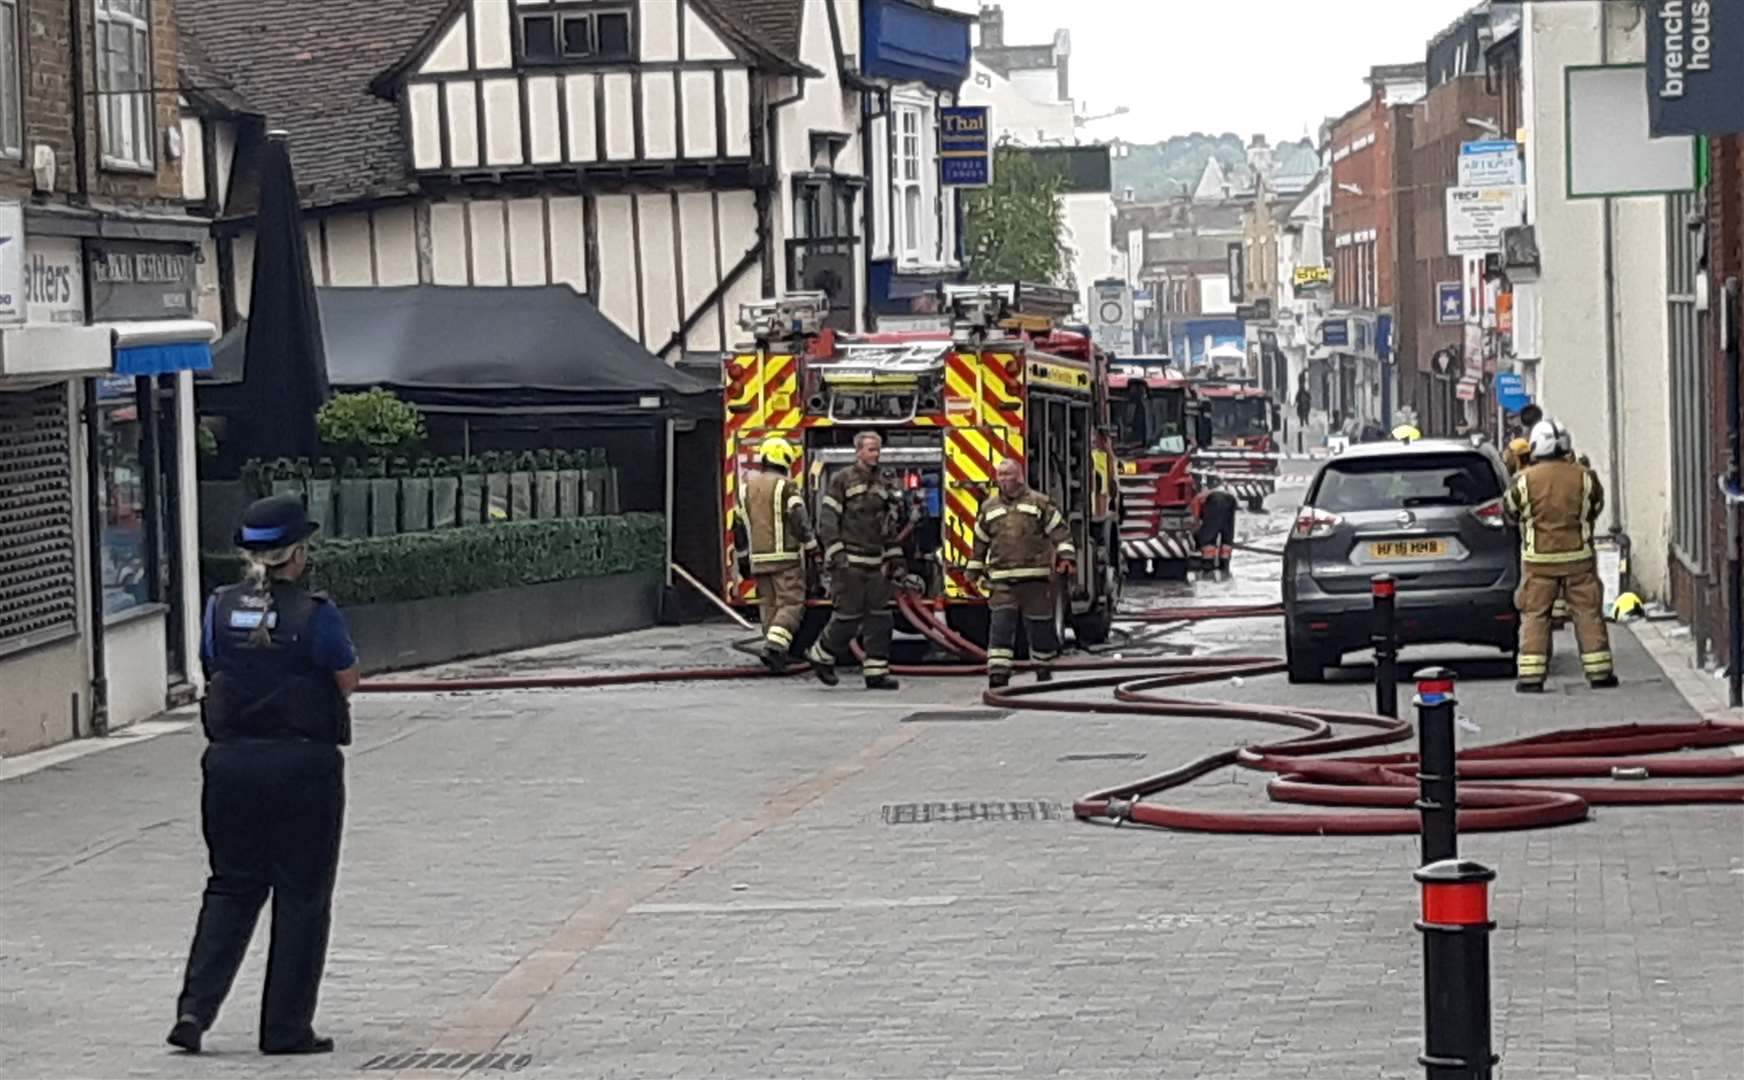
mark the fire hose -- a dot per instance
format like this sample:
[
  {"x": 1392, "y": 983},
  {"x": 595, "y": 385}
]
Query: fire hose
[{"x": 1367, "y": 795}]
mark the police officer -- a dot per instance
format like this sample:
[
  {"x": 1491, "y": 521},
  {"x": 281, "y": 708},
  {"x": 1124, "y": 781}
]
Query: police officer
[
  {"x": 280, "y": 667},
  {"x": 1214, "y": 509},
  {"x": 1556, "y": 500},
  {"x": 779, "y": 540},
  {"x": 1519, "y": 452},
  {"x": 858, "y": 525},
  {"x": 1021, "y": 541}
]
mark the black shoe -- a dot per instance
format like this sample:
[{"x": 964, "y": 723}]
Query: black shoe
[
  {"x": 187, "y": 1034},
  {"x": 1528, "y": 688},
  {"x": 998, "y": 680},
  {"x": 1044, "y": 675},
  {"x": 826, "y": 673},
  {"x": 882, "y": 682},
  {"x": 1609, "y": 682},
  {"x": 314, "y": 1044},
  {"x": 775, "y": 661}
]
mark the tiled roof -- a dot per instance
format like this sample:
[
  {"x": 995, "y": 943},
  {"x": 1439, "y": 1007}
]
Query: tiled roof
[
  {"x": 201, "y": 81},
  {"x": 306, "y": 65},
  {"x": 774, "y": 26}
]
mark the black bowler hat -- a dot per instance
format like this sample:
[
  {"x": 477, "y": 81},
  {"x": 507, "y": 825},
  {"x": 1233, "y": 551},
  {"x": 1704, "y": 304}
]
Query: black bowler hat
[{"x": 274, "y": 523}]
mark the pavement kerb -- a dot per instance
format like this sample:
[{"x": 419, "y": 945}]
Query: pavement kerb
[{"x": 1672, "y": 652}]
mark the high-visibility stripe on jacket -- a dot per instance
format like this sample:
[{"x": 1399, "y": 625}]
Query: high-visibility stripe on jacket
[
  {"x": 858, "y": 517},
  {"x": 1556, "y": 502},
  {"x": 780, "y": 529},
  {"x": 1019, "y": 538}
]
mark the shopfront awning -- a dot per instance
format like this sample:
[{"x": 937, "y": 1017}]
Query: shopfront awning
[{"x": 162, "y": 346}]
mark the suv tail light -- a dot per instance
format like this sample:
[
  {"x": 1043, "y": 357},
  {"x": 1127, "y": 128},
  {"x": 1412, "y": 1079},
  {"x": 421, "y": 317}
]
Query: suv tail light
[
  {"x": 1312, "y": 523},
  {"x": 1490, "y": 514}
]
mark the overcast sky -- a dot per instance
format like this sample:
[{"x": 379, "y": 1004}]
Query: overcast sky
[{"x": 1247, "y": 66}]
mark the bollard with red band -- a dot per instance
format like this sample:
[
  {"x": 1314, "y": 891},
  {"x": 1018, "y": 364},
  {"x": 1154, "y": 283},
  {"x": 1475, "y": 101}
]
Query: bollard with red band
[
  {"x": 1437, "y": 783},
  {"x": 1383, "y": 636},
  {"x": 1456, "y": 970}
]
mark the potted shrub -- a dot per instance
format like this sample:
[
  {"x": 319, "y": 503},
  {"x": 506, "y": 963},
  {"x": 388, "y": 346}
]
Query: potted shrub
[{"x": 370, "y": 422}]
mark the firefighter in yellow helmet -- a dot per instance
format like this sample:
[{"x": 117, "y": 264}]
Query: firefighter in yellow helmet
[
  {"x": 1406, "y": 433},
  {"x": 1556, "y": 500},
  {"x": 780, "y": 539}
]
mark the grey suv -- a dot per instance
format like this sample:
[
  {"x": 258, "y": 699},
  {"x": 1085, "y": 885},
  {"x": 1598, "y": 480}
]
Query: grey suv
[{"x": 1429, "y": 513}]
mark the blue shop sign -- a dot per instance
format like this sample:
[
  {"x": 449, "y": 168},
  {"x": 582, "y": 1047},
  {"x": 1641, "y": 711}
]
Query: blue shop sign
[
  {"x": 965, "y": 146},
  {"x": 1335, "y": 333},
  {"x": 904, "y": 41}
]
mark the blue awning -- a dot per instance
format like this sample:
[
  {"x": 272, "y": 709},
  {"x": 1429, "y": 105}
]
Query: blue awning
[
  {"x": 904, "y": 41},
  {"x": 164, "y": 359}
]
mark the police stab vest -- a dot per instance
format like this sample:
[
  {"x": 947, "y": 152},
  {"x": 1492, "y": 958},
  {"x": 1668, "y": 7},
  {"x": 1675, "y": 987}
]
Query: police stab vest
[{"x": 271, "y": 689}]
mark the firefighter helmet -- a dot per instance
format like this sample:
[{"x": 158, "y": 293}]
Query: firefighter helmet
[
  {"x": 1550, "y": 439},
  {"x": 1407, "y": 433},
  {"x": 778, "y": 452}
]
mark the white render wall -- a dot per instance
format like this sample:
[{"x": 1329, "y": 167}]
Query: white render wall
[{"x": 1569, "y": 299}]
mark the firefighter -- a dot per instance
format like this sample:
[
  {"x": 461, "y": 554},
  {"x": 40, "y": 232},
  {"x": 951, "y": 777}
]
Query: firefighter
[
  {"x": 1021, "y": 542},
  {"x": 780, "y": 541},
  {"x": 1214, "y": 509},
  {"x": 1556, "y": 500},
  {"x": 1519, "y": 452},
  {"x": 858, "y": 526}
]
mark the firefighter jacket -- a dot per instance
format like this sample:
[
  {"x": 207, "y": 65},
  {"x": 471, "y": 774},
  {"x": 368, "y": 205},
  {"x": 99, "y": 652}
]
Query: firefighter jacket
[
  {"x": 780, "y": 529},
  {"x": 858, "y": 519},
  {"x": 1556, "y": 502},
  {"x": 1019, "y": 538}
]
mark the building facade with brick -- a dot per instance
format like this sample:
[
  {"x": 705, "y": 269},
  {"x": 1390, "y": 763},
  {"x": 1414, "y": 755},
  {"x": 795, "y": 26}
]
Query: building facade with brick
[{"x": 99, "y": 332}]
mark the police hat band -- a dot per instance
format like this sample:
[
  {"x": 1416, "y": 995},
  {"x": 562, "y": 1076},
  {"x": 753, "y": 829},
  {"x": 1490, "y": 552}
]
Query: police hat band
[{"x": 261, "y": 536}]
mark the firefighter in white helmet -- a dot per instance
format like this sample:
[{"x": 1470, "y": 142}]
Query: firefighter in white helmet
[
  {"x": 780, "y": 539},
  {"x": 1556, "y": 501}
]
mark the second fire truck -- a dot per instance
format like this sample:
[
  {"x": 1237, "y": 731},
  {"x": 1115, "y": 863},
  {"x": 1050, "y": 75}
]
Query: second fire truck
[
  {"x": 1242, "y": 449},
  {"x": 1159, "y": 424},
  {"x": 1003, "y": 382}
]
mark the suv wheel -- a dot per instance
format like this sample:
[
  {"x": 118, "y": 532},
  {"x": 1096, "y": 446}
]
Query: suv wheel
[{"x": 1306, "y": 663}]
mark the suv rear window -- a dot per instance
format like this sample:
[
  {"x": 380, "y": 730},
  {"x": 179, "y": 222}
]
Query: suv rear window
[{"x": 1401, "y": 483}]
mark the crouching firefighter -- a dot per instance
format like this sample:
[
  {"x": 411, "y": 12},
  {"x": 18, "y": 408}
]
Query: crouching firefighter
[
  {"x": 1214, "y": 510},
  {"x": 1021, "y": 541},
  {"x": 858, "y": 527},
  {"x": 779, "y": 541},
  {"x": 1556, "y": 500}
]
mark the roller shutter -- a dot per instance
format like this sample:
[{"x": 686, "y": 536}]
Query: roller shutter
[{"x": 38, "y": 598}]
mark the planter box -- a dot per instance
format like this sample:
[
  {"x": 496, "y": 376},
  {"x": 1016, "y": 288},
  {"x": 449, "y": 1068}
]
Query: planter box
[
  {"x": 415, "y": 503},
  {"x": 569, "y": 493},
  {"x": 471, "y": 499},
  {"x": 353, "y": 509},
  {"x": 496, "y": 497},
  {"x": 545, "y": 494},
  {"x": 445, "y": 502},
  {"x": 417, "y": 633},
  {"x": 321, "y": 505},
  {"x": 384, "y": 507},
  {"x": 520, "y": 496}
]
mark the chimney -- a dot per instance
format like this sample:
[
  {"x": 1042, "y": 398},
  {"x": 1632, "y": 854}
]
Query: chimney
[{"x": 992, "y": 27}]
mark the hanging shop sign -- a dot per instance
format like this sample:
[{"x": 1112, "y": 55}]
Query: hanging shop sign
[
  {"x": 965, "y": 146},
  {"x": 138, "y": 280},
  {"x": 1695, "y": 67}
]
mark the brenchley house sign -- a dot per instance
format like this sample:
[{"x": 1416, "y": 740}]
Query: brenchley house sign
[
  {"x": 141, "y": 281},
  {"x": 1695, "y": 67}
]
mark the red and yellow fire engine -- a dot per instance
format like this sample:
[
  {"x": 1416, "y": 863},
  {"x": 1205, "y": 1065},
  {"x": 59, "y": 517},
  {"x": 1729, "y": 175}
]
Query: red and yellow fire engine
[
  {"x": 1159, "y": 423},
  {"x": 1242, "y": 449},
  {"x": 1004, "y": 381}
]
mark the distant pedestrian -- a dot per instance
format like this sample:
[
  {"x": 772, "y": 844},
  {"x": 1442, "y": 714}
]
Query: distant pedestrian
[
  {"x": 1519, "y": 452},
  {"x": 280, "y": 667}
]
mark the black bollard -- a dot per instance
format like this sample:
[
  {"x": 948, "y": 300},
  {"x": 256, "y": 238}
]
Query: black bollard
[
  {"x": 1456, "y": 970},
  {"x": 1383, "y": 636},
  {"x": 1437, "y": 781}
]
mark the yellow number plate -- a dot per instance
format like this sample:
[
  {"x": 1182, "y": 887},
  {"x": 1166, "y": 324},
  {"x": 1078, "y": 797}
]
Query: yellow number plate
[{"x": 1408, "y": 549}]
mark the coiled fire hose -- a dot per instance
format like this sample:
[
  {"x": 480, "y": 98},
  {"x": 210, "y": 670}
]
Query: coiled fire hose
[{"x": 1368, "y": 795}]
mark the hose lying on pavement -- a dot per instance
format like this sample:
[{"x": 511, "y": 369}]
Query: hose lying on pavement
[{"x": 1369, "y": 795}]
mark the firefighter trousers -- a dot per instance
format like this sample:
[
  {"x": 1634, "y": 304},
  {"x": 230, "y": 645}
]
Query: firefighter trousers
[
  {"x": 1541, "y": 585},
  {"x": 861, "y": 597},
  {"x": 1029, "y": 602},
  {"x": 781, "y": 603}
]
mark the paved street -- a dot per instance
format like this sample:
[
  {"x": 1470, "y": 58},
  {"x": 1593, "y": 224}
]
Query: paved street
[{"x": 733, "y": 881}]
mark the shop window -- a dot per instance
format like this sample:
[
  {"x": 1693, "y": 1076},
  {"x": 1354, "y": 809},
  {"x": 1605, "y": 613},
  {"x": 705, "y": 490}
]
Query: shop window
[
  {"x": 821, "y": 255},
  {"x": 125, "y": 112},
  {"x": 129, "y": 565},
  {"x": 909, "y": 187},
  {"x": 557, "y": 33}
]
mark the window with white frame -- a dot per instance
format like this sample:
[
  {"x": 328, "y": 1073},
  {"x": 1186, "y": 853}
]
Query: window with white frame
[
  {"x": 124, "y": 97},
  {"x": 909, "y": 189},
  {"x": 11, "y": 83}
]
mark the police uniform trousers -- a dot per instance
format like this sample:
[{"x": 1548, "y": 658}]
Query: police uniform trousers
[
  {"x": 781, "y": 603},
  {"x": 1541, "y": 585},
  {"x": 271, "y": 811},
  {"x": 1217, "y": 533},
  {"x": 861, "y": 596},
  {"x": 1032, "y": 603}
]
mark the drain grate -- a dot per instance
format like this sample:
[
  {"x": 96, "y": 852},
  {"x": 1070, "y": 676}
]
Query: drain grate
[
  {"x": 954, "y": 715},
  {"x": 1128, "y": 756},
  {"x": 940, "y": 813},
  {"x": 444, "y": 1061}
]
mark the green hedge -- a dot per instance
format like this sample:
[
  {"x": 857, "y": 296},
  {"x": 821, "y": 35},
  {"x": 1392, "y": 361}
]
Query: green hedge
[{"x": 473, "y": 558}]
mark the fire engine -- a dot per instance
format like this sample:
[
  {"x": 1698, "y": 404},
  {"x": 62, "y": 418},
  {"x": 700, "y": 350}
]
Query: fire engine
[
  {"x": 1159, "y": 423},
  {"x": 1004, "y": 381},
  {"x": 1241, "y": 449}
]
